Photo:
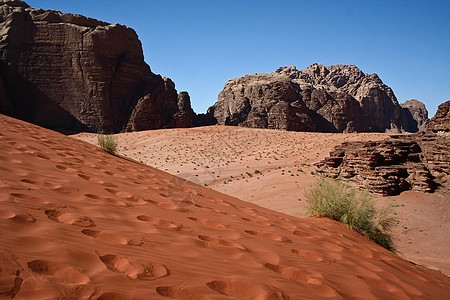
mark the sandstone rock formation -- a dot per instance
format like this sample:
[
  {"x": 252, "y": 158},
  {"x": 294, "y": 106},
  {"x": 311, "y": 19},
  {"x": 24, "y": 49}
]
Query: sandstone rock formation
[
  {"x": 337, "y": 98},
  {"x": 68, "y": 71},
  {"x": 441, "y": 121},
  {"x": 418, "y": 119},
  {"x": 436, "y": 155},
  {"x": 399, "y": 163},
  {"x": 185, "y": 117}
]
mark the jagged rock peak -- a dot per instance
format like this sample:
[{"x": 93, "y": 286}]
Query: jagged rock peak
[
  {"x": 68, "y": 71},
  {"x": 14, "y": 3},
  {"x": 320, "y": 98}
]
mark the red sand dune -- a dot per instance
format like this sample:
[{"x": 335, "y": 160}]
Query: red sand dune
[{"x": 77, "y": 222}]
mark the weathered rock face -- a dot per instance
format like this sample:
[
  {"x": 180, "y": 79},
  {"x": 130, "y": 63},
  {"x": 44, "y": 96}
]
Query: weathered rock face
[
  {"x": 337, "y": 98},
  {"x": 70, "y": 71},
  {"x": 399, "y": 163},
  {"x": 185, "y": 117},
  {"x": 418, "y": 120},
  {"x": 436, "y": 155},
  {"x": 441, "y": 121}
]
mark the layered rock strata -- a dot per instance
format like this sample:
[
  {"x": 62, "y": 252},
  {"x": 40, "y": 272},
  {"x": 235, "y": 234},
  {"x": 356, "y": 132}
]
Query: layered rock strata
[{"x": 402, "y": 162}]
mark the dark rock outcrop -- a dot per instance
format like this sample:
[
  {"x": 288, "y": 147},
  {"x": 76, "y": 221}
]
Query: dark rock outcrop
[
  {"x": 68, "y": 71},
  {"x": 185, "y": 117},
  {"x": 337, "y": 98},
  {"x": 441, "y": 121},
  {"x": 417, "y": 115},
  {"x": 399, "y": 163}
]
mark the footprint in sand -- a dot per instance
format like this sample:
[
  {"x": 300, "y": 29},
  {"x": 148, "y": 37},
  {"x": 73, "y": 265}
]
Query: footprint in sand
[
  {"x": 392, "y": 289},
  {"x": 64, "y": 168},
  {"x": 159, "y": 222},
  {"x": 207, "y": 208},
  {"x": 116, "y": 175},
  {"x": 106, "y": 236},
  {"x": 248, "y": 211},
  {"x": 303, "y": 233},
  {"x": 269, "y": 235},
  {"x": 167, "y": 205},
  {"x": 243, "y": 288},
  {"x": 257, "y": 222},
  {"x": 312, "y": 282},
  {"x": 207, "y": 222},
  {"x": 187, "y": 291},
  {"x": 126, "y": 196},
  {"x": 69, "y": 218},
  {"x": 147, "y": 271},
  {"x": 19, "y": 217},
  {"x": 65, "y": 273},
  {"x": 29, "y": 198},
  {"x": 210, "y": 241},
  {"x": 362, "y": 252},
  {"x": 285, "y": 225},
  {"x": 308, "y": 255}
]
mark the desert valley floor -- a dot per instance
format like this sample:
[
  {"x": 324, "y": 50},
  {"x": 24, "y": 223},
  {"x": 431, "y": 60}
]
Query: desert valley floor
[
  {"x": 77, "y": 222},
  {"x": 272, "y": 168}
]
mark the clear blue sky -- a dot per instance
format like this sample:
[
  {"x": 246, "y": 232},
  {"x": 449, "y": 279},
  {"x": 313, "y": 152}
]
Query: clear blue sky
[{"x": 201, "y": 44}]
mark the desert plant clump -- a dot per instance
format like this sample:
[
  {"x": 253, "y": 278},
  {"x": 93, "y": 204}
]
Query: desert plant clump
[
  {"x": 107, "y": 142},
  {"x": 338, "y": 201}
]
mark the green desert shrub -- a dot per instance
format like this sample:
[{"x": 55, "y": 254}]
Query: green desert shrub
[
  {"x": 107, "y": 142},
  {"x": 336, "y": 200}
]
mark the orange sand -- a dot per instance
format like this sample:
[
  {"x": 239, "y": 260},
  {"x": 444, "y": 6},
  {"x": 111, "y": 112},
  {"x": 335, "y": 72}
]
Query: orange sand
[
  {"x": 223, "y": 157},
  {"x": 77, "y": 222}
]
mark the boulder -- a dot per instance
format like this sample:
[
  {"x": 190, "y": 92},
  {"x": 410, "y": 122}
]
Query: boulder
[
  {"x": 337, "y": 98},
  {"x": 68, "y": 71}
]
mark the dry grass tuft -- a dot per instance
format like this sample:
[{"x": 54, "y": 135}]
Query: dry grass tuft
[{"x": 336, "y": 200}]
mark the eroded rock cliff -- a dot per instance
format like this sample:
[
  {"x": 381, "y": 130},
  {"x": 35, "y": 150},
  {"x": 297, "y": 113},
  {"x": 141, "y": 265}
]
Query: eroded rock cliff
[
  {"x": 337, "y": 98},
  {"x": 441, "y": 121},
  {"x": 418, "y": 162},
  {"x": 68, "y": 71}
]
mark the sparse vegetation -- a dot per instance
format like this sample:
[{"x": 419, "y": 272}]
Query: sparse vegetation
[
  {"x": 107, "y": 142},
  {"x": 336, "y": 200}
]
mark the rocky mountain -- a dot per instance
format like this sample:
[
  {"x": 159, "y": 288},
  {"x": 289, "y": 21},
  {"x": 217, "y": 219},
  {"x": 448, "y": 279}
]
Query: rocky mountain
[
  {"x": 62, "y": 70},
  {"x": 441, "y": 121},
  {"x": 418, "y": 119},
  {"x": 337, "y": 98}
]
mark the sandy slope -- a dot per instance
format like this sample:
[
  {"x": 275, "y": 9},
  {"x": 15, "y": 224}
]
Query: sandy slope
[
  {"x": 77, "y": 222},
  {"x": 272, "y": 168}
]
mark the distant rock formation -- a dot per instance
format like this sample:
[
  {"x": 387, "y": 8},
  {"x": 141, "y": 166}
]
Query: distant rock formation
[
  {"x": 419, "y": 115},
  {"x": 185, "y": 117},
  {"x": 419, "y": 162},
  {"x": 68, "y": 71},
  {"x": 441, "y": 121},
  {"x": 337, "y": 98}
]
